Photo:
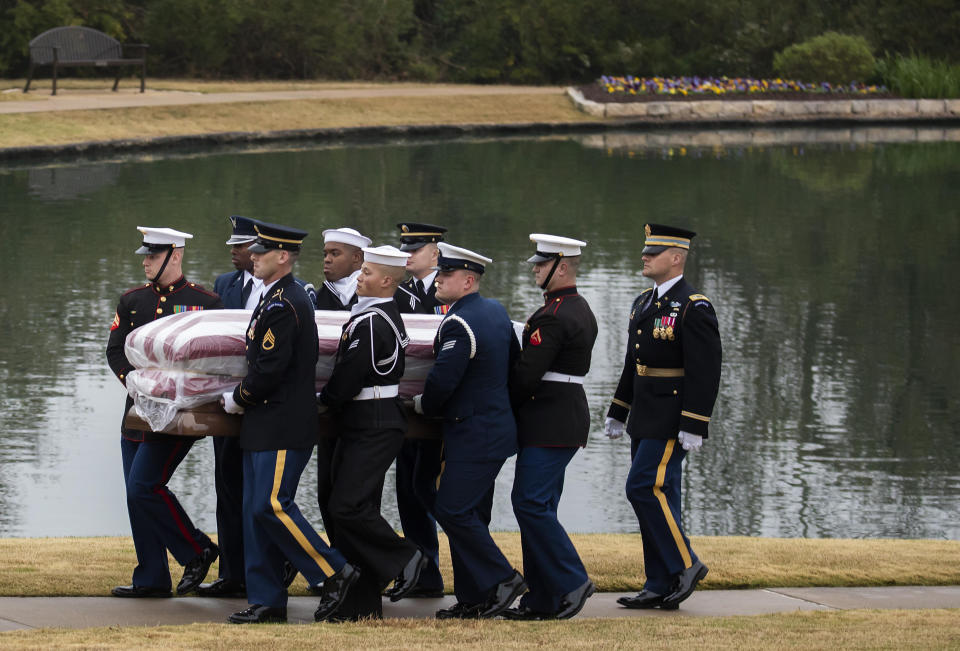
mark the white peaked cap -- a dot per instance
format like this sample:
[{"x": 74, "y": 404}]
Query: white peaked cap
[
  {"x": 556, "y": 244},
  {"x": 164, "y": 236},
  {"x": 347, "y": 236},
  {"x": 454, "y": 257},
  {"x": 386, "y": 254}
]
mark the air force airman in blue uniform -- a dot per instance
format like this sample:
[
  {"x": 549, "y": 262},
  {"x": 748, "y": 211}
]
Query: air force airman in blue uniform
[
  {"x": 467, "y": 386},
  {"x": 418, "y": 464},
  {"x": 157, "y": 520},
  {"x": 666, "y": 393},
  {"x": 279, "y": 429},
  {"x": 553, "y": 422}
]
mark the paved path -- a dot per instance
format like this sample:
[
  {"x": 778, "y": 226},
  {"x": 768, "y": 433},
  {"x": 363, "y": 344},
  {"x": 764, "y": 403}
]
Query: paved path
[
  {"x": 79, "y": 100},
  {"x": 84, "y": 612}
]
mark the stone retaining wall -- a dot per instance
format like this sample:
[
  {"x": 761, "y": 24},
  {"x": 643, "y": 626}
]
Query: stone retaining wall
[{"x": 772, "y": 110}]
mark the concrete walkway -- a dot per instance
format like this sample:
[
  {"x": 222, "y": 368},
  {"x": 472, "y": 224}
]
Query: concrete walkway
[
  {"x": 83, "y": 100},
  {"x": 84, "y": 612}
]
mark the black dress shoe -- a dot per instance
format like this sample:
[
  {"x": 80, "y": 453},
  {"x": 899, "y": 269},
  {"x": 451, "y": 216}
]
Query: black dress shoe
[
  {"x": 420, "y": 592},
  {"x": 524, "y": 614},
  {"x": 257, "y": 614},
  {"x": 335, "y": 589},
  {"x": 289, "y": 573},
  {"x": 686, "y": 584},
  {"x": 644, "y": 601},
  {"x": 223, "y": 589},
  {"x": 572, "y": 603},
  {"x": 196, "y": 570},
  {"x": 407, "y": 579},
  {"x": 460, "y": 610},
  {"x": 141, "y": 591},
  {"x": 503, "y": 596}
]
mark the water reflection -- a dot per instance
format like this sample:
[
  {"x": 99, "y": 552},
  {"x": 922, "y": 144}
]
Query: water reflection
[{"x": 824, "y": 253}]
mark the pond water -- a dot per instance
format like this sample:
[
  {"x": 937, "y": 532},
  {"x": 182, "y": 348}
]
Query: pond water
[{"x": 828, "y": 256}]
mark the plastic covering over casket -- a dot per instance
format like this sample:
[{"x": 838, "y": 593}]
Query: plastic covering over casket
[{"x": 189, "y": 359}]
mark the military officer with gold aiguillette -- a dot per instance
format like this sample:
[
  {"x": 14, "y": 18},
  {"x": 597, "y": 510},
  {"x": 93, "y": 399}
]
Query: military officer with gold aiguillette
[{"x": 665, "y": 398}]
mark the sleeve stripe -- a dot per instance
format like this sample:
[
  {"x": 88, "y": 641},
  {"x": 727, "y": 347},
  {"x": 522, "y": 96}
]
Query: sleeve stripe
[
  {"x": 621, "y": 403},
  {"x": 690, "y": 414},
  {"x": 473, "y": 339}
]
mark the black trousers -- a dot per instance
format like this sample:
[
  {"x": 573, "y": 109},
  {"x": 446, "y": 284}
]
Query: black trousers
[{"x": 361, "y": 458}]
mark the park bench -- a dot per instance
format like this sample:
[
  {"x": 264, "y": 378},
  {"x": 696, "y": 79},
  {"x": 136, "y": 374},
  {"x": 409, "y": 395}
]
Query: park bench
[{"x": 63, "y": 47}]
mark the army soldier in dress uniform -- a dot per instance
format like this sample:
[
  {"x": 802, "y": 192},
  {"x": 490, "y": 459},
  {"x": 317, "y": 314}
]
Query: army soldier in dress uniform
[
  {"x": 668, "y": 387},
  {"x": 553, "y": 421},
  {"x": 239, "y": 290},
  {"x": 342, "y": 257},
  {"x": 475, "y": 348},
  {"x": 363, "y": 396},
  {"x": 157, "y": 521},
  {"x": 277, "y": 435},
  {"x": 418, "y": 463}
]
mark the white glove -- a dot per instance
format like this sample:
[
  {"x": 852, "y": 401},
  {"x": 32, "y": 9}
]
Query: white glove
[
  {"x": 613, "y": 428},
  {"x": 229, "y": 405},
  {"x": 417, "y": 403},
  {"x": 690, "y": 442}
]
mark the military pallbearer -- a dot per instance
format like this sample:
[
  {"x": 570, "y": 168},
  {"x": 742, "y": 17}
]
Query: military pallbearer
[
  {"x": 157, "y": 520},
  {"x": 553, "y": 421}
]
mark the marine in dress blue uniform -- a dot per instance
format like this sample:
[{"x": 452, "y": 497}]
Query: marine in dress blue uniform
[
  {"x": 553, "y": 421},
  {"x": 157, "y": 520},
  {"x": 362, "y": 394},
  {"x": 277, "y": 435},
  {"x": 238, "y": 290},
  {"x": 467, "y": 386},
  {"x": 418, "y": 464},
  {"x": 666, "y": 394}
]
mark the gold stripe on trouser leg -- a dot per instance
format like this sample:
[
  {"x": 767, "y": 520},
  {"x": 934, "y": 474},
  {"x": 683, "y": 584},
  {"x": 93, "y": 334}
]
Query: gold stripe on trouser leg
[
  {"x": 443, "y": 466},
  {"x": 667, "y": 513},
  {"x": 289, "y": 523}
]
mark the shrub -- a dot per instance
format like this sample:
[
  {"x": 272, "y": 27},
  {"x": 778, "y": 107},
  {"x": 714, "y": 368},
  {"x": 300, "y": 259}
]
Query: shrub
[
  {"x": 919, "y": 77},
  {"x": 833, "y": 57}
]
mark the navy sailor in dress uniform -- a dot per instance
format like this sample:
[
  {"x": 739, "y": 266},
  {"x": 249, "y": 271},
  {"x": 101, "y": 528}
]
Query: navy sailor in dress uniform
[
  {"x": 342, "y": 258},
  {"x": 157, "y": 520},
  {"x": 418, "y": 463},
  {"x": 475, "y": 347},
  {"x": 277, "y": 435},
  {"x": 362, "y": 394},
  {"x": 239, "y": 290},
  {"x": 665, "y": 396},
  {"x": 553, "y": 421}
]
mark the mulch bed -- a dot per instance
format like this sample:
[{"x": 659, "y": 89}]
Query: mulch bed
[{"x": 597, "y": 93}]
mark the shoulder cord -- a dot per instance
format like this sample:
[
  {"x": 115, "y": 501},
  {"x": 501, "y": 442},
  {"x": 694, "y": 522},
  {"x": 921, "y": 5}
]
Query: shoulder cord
[
  {"x": 401, "y": 341},
  {"x": 459, "y": 319}
]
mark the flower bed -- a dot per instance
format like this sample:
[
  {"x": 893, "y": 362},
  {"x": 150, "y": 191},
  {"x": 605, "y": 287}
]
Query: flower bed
[{"x": 647, "y": 89}]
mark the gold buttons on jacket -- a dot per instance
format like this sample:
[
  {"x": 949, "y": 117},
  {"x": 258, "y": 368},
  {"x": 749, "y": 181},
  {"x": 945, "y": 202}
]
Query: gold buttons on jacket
[
  {"x": 637, "y": 346},
  {"x": 639, "y": 332},
  {"x": 159, "y": 310},
  {"x": 674, "y": 392},
  {"x": 163, "y": 299}
]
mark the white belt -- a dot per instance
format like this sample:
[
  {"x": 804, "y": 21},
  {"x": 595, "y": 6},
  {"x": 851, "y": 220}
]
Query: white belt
[
  {"x": 550, "y": 376},
  {"x": 375, "y": 393}
]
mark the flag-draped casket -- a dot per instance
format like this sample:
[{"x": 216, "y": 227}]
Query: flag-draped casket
[{"x": 184, "y": 362}]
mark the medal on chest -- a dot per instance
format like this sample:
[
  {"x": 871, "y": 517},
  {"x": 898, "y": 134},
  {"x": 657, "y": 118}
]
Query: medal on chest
[
  {"x": 663, "y": 328},
  {"x": 252, "y": 330}
]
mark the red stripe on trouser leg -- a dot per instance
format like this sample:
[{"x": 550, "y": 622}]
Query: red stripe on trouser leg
[{"x": 164, "y": 494}]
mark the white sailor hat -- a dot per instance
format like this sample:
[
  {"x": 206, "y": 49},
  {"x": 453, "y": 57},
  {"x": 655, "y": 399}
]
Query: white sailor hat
[
  {"x": 156, "y": 240},
  {"x": 453, "y": 257},
  {"x": 347, "y": 236},
  {"x": 386, "y": 254},
  {"x": 553, "y": 246}
]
